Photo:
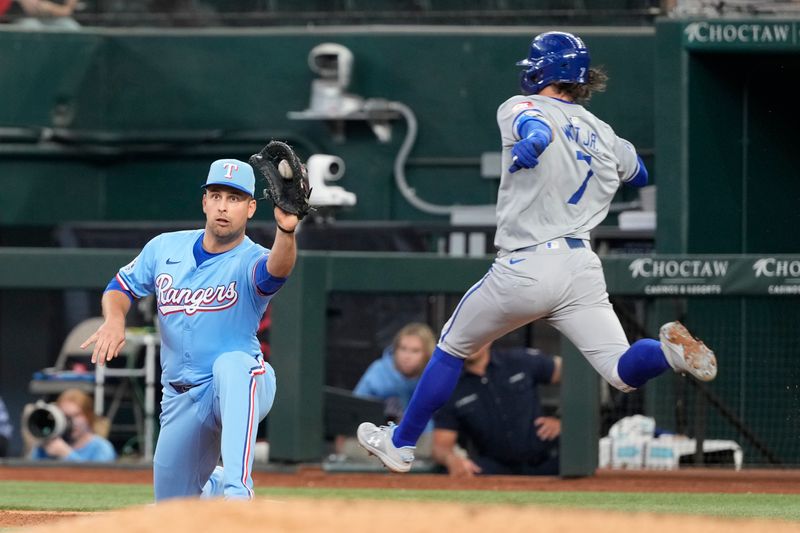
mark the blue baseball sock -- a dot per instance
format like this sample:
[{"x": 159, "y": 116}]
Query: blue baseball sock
[
  {"x": 433, "y": 390},
  {"x": 643, "y": 361}
]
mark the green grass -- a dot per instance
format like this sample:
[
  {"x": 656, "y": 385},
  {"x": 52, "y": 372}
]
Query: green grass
[
  {"x": 28, "y": 495},
  {"x": 39, "y": 495}
]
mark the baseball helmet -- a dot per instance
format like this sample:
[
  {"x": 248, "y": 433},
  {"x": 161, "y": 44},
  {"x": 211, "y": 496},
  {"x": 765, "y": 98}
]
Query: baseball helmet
[{"x": 555, "y": 57}]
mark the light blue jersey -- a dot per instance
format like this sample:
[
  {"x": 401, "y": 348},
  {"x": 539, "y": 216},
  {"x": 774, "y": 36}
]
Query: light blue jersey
[
  {"x": 203, "y": 311},
  {"x": 216, "y": 385}
]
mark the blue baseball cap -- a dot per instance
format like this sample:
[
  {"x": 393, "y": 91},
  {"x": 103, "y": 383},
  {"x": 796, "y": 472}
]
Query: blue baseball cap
[{"x": 232, "y": 173}]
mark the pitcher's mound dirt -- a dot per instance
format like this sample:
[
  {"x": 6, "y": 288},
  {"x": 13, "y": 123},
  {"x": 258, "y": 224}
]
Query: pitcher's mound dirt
[{"x": 331, "y": 516}]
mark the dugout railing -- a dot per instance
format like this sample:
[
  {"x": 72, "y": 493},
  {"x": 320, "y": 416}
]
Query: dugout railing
[{"x": 745, "y": 306}]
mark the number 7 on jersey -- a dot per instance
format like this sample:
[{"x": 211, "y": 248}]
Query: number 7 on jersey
[{"x": 577, "y": 195}]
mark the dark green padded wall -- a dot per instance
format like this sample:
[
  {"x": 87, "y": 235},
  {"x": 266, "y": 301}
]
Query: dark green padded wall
[
  {"x": 773, "y": 184},
  {"x": 724, "y": 135},
  {"x": 715, "y": 162},
  {"x": 743, "y": 183},
  {"x": 231, "y": 84},
  {"x": 728, "y": 184},
  {"x": 41, "y": 70}
]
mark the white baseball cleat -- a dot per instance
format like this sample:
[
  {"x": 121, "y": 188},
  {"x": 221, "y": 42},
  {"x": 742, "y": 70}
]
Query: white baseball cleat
[
  {"x": 377, "y": 440},
  {"x": 685, "y": 353}
]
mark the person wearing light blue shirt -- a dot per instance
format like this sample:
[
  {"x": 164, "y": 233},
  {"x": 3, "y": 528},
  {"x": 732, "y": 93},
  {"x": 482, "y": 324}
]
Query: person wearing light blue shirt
[{"x": 394, "y": 376}]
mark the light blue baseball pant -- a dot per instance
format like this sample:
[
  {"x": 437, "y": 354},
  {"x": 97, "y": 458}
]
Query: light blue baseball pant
[{"x": 220, "y": 416}]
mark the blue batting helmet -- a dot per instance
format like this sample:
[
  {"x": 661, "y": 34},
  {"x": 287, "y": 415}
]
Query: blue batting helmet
[{"x": 555, "y": 57}]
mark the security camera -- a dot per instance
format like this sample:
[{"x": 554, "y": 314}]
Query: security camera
[
  {"x": 322, "y": 168},
  {"x": 332, "y": 62},
  {"x": 325, "y": 167}
]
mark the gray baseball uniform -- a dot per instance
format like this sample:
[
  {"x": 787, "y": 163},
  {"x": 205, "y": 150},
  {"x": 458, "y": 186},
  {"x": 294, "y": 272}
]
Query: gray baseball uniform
[
  {"x": 545, "y": 267},
  {"x": 569, "y": 191}
]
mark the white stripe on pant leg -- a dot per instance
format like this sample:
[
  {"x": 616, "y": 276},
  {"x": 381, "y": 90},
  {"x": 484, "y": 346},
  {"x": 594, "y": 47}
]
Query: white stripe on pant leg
[
  {"x": 251, "y": 416},
  {"x": 251, "y": 421}
]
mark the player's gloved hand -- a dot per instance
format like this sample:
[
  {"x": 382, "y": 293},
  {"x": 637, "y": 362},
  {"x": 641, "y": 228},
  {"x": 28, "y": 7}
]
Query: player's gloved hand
[{"x": 526, "y": 152}]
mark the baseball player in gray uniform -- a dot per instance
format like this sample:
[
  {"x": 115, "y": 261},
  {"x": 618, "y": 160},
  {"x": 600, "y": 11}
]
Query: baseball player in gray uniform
[{"x": 562, "y": 167}]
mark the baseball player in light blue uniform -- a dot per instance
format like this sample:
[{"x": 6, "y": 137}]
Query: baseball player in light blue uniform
[
  {"x": 212, "y": 286},
  {"x": 562, "y": 167}
]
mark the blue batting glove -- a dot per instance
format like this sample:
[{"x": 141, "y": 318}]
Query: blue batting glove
[
  {"x": 517, "y": 165},
  {"x": 525, "y": 153}
]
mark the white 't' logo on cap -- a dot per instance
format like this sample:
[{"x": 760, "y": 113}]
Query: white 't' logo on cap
[{"x": 231, "y": 167}]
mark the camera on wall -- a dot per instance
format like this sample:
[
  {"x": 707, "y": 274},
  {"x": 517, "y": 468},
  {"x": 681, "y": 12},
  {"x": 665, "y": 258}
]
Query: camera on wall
[
  {"x": 333, "y": 64},
  {"x": 321, "y": 169},
  {"x": 45, "y": 421},
  {"x": 325, "y": 167}
]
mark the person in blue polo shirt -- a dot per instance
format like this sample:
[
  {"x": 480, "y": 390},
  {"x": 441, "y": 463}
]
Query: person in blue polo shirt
[{"x": 496, "y": 409}]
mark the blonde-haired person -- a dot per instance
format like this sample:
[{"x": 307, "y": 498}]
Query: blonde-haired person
[
  {"x": 81, "y": 444},
  {"x": 394, "y": 376}
]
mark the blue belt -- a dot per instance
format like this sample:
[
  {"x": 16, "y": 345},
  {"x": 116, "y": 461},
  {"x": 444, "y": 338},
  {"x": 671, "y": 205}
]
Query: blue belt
[
  {"x": 575, "y": 243},
  {"x": 572, "y": 242}
]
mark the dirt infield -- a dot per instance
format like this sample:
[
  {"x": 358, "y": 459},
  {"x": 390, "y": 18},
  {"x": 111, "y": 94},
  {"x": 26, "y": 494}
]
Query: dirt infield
[{"x": 332, "y": 516}]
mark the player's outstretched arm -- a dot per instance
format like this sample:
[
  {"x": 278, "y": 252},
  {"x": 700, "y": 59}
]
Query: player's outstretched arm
[
  {"x": 283, "y": 253},
  {"x": 109, "y": 338}
]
